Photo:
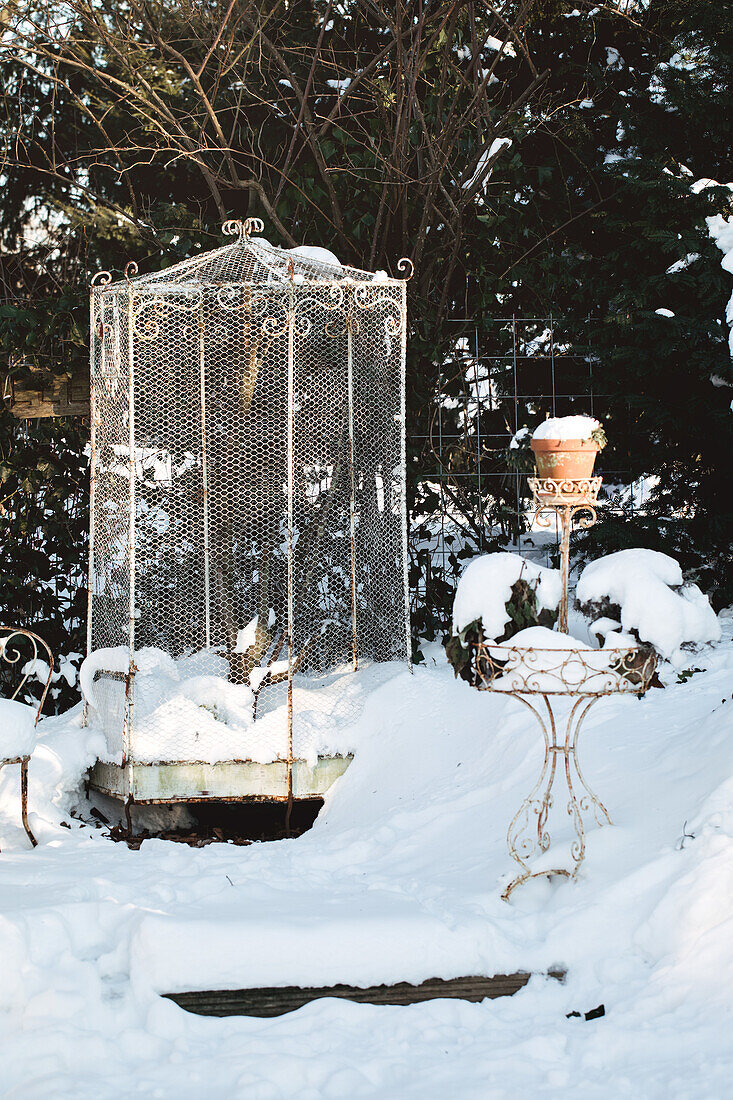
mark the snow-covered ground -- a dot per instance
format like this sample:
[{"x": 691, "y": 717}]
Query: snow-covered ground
[{"x": 400, "y": 879}]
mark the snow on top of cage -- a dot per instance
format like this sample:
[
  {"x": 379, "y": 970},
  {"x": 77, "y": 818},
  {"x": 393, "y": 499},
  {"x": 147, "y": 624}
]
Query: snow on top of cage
[
  {"x": 254, "y": 260},
  {"x": 654, "y": 601},
  {"x": 486, "y": 587}
]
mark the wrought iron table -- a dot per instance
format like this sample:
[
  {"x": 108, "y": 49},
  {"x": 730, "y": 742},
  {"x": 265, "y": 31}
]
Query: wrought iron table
[{"x": 584, "y": 675}]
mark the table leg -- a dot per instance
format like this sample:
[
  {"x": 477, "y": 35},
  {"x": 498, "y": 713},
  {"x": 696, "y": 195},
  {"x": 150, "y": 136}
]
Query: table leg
[
  {"x": 24, "y": 799},
  {"x": 522, "y": 844},
  {"x": 589, "y": 800}
]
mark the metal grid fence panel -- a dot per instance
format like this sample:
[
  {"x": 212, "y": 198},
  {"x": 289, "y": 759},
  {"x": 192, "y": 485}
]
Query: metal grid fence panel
[{"x": 499, "y": 375}]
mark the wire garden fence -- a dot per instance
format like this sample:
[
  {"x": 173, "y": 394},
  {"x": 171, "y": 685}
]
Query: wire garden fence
[{"x": 500, "y": 375}]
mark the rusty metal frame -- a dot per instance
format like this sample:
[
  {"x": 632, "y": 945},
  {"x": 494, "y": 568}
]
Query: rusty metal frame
[{"x": 12, "y": 656}]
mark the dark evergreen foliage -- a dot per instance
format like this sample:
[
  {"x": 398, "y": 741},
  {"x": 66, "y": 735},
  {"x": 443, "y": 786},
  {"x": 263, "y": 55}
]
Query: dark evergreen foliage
[{"x": 583, "y": 217}]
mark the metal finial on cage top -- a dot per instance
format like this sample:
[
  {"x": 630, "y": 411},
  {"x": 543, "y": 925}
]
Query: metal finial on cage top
[{"x": 242, "y": 229}]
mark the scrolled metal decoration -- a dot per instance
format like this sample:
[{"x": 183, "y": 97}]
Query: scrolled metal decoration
[
  {"x": 11, "y": 638},
  {"x": 276, "y": 326},
  {"x": 587, "y": 672},
  {"x": 574, "y": 499},
  {"x": 149, "y": 313},
  {"x": 100, "y": 279},
  {"x": 131, "y": 270},
  {"x": 233, "y": 228},
  {"x": 406, "y": 265},
  {"x": 253, "y": 225}
]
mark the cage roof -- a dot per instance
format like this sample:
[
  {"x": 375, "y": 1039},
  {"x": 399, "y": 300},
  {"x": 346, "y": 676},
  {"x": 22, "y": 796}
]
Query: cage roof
[{"x": 254, "y": 260}]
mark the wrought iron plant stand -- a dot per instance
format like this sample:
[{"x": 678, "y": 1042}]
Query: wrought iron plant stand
[{"x": 582, "y": 675}]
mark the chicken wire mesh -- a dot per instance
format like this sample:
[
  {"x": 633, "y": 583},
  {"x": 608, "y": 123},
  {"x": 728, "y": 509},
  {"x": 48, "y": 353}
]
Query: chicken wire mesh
[{"x": 248, "y": 517}]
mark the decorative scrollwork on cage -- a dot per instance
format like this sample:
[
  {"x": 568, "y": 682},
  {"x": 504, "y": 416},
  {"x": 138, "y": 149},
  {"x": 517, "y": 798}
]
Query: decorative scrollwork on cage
[
  {"x": 406, "y": 268},
  {"x": 149, "y": 313},
  {"x": 234, "y": 227}
]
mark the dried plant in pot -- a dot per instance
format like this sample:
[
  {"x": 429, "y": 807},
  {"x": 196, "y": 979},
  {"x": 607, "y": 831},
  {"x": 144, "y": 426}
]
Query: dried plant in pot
[{"x": 565, "y": 448}]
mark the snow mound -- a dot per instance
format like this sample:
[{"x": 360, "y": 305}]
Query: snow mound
[
  {"x": 648, "y": 587},
  {"x": 566, "y": 427},
  {"x": 541, "y": 637},
  {"x": 17, "y": 733},
  {"x": 486, "y": 586},
  {"x": 188, "y": 709},
  {"x": 148, "y": 661}
]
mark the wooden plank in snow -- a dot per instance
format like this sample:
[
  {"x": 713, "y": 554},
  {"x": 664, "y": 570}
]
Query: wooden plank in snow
[{"x": 277, "y": 1000}]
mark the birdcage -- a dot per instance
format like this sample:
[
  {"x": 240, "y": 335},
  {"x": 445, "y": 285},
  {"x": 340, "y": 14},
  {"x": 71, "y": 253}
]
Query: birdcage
[{"x": 248, "y": 545}]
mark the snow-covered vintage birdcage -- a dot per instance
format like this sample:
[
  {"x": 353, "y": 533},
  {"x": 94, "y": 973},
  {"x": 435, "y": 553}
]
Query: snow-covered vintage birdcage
[{"x": 248, "y": 527}]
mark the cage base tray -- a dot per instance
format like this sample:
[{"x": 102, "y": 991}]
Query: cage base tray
[{"x": 226, "y": 781}]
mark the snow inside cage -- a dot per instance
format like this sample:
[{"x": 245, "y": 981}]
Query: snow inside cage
[{"x": 248, "y": 526}]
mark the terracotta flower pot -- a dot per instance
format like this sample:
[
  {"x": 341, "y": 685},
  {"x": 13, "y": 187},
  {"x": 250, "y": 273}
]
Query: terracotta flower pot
[{"x": 565, "y": 458}]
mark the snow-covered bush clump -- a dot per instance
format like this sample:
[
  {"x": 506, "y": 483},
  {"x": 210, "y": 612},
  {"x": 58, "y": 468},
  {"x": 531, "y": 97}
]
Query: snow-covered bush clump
[
  {"x": 643, "y": 592},
  {"x": 497, "y": 596},
  {"x": 486, "y": 587}
]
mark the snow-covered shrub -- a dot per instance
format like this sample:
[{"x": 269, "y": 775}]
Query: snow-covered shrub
[
  {"x": 642, "y": 593},
  {"x": 498, "y": 596}
]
